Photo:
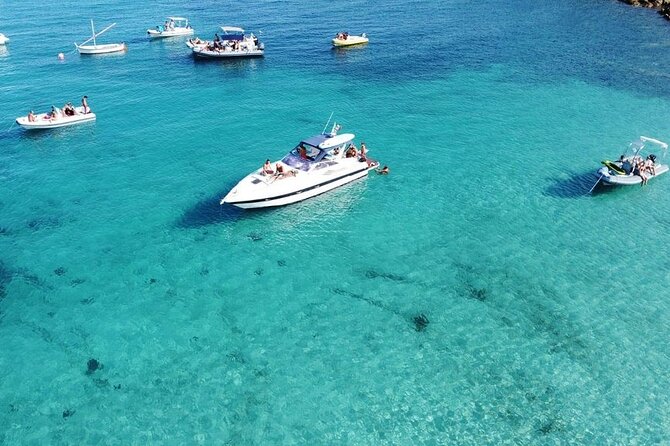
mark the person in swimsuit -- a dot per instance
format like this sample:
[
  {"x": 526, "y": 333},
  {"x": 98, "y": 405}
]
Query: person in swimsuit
[{"x": 267, "y": 168}]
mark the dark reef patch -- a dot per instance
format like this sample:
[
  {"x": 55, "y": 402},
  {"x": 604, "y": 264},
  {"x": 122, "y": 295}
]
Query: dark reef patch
[
  {"x": 60, "y": 271},
  {"x": 372, "y": 274},
  {"x": 93, "y": 365},
  {"x": 258, "y": 271},
  {"x": 479, "y": 294},
  {"x": 420, "y": 322},
  {"x": 67, "y": 413},
  {"x": 254, "y": 236},
  {"x": 281, "y": 262},
  {"x": 76, "y": 282},
  {"x": 44, "y": 222}
]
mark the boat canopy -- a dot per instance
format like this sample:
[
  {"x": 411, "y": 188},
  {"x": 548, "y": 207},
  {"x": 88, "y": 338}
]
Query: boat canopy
[
  {"x": 663, "y": 145},
  {"x": 232, "y": 30},
  {"x": 336, "y": 141},
  {"x": 315, "y": 140}
]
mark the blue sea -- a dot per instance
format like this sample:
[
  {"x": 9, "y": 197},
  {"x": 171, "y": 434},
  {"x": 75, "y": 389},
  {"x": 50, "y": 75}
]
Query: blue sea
[{"x": 477, "y": 295}]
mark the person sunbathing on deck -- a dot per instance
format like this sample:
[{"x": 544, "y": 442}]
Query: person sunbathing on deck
[{"x": 267, "y": 168}]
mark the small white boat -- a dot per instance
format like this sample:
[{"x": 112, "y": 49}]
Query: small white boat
[
  {"x": 3, "y": 39},
  {"x": 232, "y": 43},
  {"x": 316, "y": 165},
  {"x": 635, "y": 166},
  {"x": 173, "y": 27},
  {"x": 100, "y": 49},
  {"x": 54, "y": 119},
  {"x": 346, "y": 39}
]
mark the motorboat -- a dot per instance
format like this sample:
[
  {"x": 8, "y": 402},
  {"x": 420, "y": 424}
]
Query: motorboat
[
  {"x": 173, "y": 27},
  {"x": 636, "y": 166},
  {"x": 3, "y": 39},
  {"x": 83, "y": 48},
  {"x": 316, "y": 165},
  {"x": 55, "y": 118},
  {"x": 233, "y": 42},
  {"x": 346, "y": 39}
]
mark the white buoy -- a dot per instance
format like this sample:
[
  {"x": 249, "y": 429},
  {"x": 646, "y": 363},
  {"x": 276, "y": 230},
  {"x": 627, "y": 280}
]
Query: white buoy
[{"x": 61, "y": 56}]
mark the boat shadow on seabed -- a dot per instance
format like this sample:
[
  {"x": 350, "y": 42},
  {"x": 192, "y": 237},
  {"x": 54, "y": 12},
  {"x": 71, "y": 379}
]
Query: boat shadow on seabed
[
  {"x": 576, "y": 185},
  {"x": 207, "y": 212}
]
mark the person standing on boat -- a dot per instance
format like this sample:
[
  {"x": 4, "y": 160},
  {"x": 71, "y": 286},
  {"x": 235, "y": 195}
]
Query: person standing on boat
[
  {"x": 31, "y": 116},
  {"x": 84, "y": 104}
]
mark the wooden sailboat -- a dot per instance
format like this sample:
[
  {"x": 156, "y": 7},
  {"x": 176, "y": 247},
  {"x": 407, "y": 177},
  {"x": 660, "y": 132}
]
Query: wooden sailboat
[{"x": 100, "y": 49}]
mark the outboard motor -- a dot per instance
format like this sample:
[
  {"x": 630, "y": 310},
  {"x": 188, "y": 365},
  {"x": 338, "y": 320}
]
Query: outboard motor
[{"x": 604, "y": 172}]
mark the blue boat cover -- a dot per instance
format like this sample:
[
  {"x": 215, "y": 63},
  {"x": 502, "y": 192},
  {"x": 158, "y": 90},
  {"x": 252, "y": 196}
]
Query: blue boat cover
[{"x": 314, "y": 141}]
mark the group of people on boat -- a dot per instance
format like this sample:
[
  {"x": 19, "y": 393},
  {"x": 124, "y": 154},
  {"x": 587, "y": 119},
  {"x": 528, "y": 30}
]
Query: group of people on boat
[
  {"x": 277, "y": 172},
  {"x": 57, "y": 113},
  {"x": 642, "y": 167},
  {"x": 167, "y": 26},
  {"x": 342, "y": 36}
]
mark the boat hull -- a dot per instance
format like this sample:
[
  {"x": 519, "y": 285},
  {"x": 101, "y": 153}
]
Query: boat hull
[
  {"x": 43, "y": 123},
  {"x": 299, "y": 194},
  {"x": 102, "y": 49},
  {"x": 350, "y": 41},
  {"x": 631, "y": 180},
  {"x": 207, "y": 54},
  {"x": 155, "y": 34}
]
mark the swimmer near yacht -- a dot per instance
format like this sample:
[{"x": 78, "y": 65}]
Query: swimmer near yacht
[{"x": 315, "y": 165}]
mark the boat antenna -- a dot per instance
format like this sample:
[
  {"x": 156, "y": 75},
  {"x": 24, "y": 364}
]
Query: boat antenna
[{"x": 326, "y": 126}]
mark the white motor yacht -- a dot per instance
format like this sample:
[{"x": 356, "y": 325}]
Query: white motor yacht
[
  {"x": 3, "y": 39},
  {"x": 316, "y": 165},
  {"x": 231, "y": 43},
  {"x": 173, "y": 27},
  {"x": 346, "y": 39},
  {"x": 637, "y": 162}
]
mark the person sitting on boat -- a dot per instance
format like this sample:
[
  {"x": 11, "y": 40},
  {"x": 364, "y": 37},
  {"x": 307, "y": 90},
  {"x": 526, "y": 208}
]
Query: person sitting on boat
[
  {"x": 281, "y": 173},
  {"x": 84, "y": 104},
  {"x": 639, "y": 170},
  {"x": 351, "y": 152},
  {"x": 302, "y": 151},
  {"x": 267, "y": 168},
  {"x": 364, "y": 154},
  {"x": 55, "y": 113},
  {"x": 650, "y": 164},
  {"x": 31, "y": 116},
  {"x": 68, "y": 109},
  {"x": 216, "y": 37}
]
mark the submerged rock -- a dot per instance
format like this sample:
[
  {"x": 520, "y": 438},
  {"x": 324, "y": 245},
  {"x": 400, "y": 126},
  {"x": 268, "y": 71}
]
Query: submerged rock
[
  {"x": 420, "y": 322},
  {"x": 93, "y": 365},
  {"x": 68, "y": 413}
]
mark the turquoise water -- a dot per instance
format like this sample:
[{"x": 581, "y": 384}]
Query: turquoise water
[{"x": 547, "y": 307}]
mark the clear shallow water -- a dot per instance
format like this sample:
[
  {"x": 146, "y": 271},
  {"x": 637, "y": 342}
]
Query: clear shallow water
[{"x": 548, "y": 307}]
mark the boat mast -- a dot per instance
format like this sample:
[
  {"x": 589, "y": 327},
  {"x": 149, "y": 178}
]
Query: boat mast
[
  {"x": 93, "y": 31},
  {"x": 328, "y": 122}
]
